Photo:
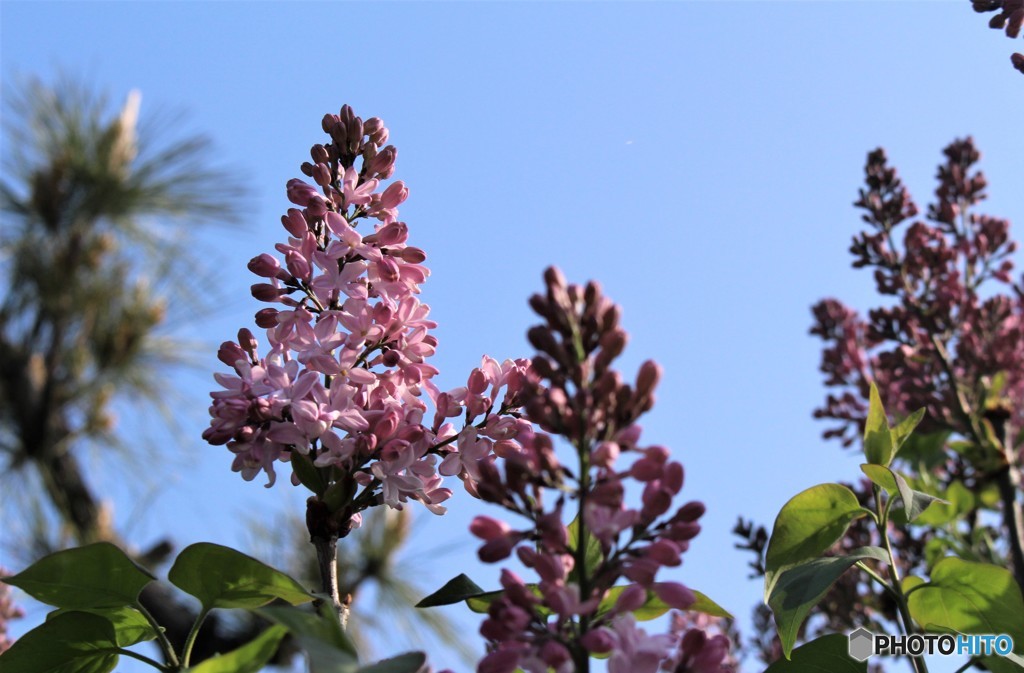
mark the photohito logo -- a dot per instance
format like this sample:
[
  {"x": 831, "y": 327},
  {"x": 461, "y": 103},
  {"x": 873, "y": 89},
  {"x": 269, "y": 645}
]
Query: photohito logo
[{"x": 864, "y": 643}]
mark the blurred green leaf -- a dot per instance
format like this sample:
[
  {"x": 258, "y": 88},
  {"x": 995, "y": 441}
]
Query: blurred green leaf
[
  {"x": 593, "y": 557},
  {"x": 320, "y": 635},
  {"x": 249, "y": 658},
  {"x": 455, "y": 590},
  {"x": 904, "y": 430},
  {"x": 878, "y": 441},
  {"x": 970, "y": 597},
  {"x": 403, "y": 663},
  {"x": 827, "y": 654}
]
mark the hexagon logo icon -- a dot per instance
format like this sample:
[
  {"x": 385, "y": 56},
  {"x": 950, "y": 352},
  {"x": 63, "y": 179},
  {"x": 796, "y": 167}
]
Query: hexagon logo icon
[{"x": 862, "y": 644}]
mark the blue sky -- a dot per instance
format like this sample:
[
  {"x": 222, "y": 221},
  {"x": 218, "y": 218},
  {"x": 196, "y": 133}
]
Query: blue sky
[{"x": 699, "y": 159}]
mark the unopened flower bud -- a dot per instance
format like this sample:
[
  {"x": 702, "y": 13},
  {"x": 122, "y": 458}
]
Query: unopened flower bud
[
  {"x": 598, "y": 641},
  {"x": 247, "y": 341},
  {"x": 393, "y": 234},
  {"x": 689, "y": 512},
  {"x": 394, "y": 195},
  {"x": 266, "y": 318},
  {"x": 674, "y": 595},
  {"x": 229, "y": 353},
  {"x": 267, "y": 292},
  {"x": 319, "y": 154},
  {"x": 322, "y": 174},
  {"x": 647, "y": 378},
  {"x": 487, "y": 528},
  {"x": 631, "y": 599},
  {"x": 413, "y": 255},
  {"x": 264, "y": 265},
  {"x": 295, "y": 223}
]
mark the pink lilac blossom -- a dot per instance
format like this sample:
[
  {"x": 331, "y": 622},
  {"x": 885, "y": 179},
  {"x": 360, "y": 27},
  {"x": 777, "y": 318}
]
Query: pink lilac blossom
[
  {"x": 341, "y": 385},
  {"x": 594, "y": 574}
]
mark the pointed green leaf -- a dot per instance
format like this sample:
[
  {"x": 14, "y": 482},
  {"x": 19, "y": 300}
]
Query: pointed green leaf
[
  {"x": 883, "y": 477},
  {"x": 455, "y": 590},
  {"x": 403, "y": 663},
  {"x": 321, "y": 625},
  {"x": 911, "y": 503},
  {"x": 249, "y": 658},
  {"x": 971, "y": 597},
  {"x": 482, "y": 602},
  {"x": 957, "y": 501},
  {"x": 594, "y": 555},
  {"x": 320, "y": 635},
  {"x": 221, "y": 577},
  {"x": 927, "y": 450},
  {"x": 307, "y": 473},
  {"x": 827, "y": 654},
  {"x": 655, "y": 607},
  {"x": 74, "y": 642},
  {"x": 904, "y": 429},
  {"x": 130, "y": 627},
  {"x": 913, "y": 507},
  {"x": 708, "y": 606},
  {"x": 800, "y": 588},
  {"x": 878, "y": 445},
  {"x": 95, "y": 576},
  {"x": 808, "y": 524}
]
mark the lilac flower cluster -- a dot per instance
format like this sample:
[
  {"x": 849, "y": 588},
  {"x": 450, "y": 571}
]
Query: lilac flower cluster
[
  {"x": 341, "y": 391},
  {"x": 579, "y": 607},
  {"x": 1009, "y": 17},
  {"x": 950, "y": 329}
]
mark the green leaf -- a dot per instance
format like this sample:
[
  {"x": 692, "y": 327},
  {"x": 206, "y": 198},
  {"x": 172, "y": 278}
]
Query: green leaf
[
  {"x": 95, "y": 576},
  {"x": 403, "y": 663},
  {"x": 808, "y": 524},
  {"x": 800, "y": 588},
  {"x": 912, "y": 503},
  {"x": 654, "y": 607},
  {"x": 971, "y": 597},
  {"x": 74, "y": 642},
  {"x": 130, "y": 626},
  {"x": 886, "y": 478},
  {"x": 878, "y": 445},
  {"x": 456, "y": 590},
  {"x": 482, "y": 602},
  {"x": 221, "y": 577},
  {"x": 594, "y": 555},
  {"x": 904, "y": 429},
  {"x": 957, "y": 501},
  {"x": 708, "y": 606},
  {"x": 249, "y": 658},
  {"x": 925, "y": 450},
  {"x": 320, "y": 630},
  {"x": 307, "y": 473},
  {"x": 827, "y": 654},
  {"x": 912, "y": 507}
]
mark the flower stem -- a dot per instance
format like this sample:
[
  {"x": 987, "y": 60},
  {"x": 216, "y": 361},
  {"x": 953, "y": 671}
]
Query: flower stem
[
  {"x": 191, "y": 640},
  {"x": 161, "y": 636},
  {"x": 141, "y": 657},
  {"x": 327, "y": 560}
]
